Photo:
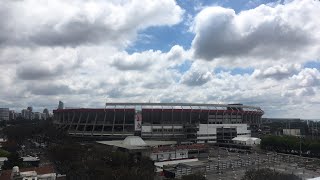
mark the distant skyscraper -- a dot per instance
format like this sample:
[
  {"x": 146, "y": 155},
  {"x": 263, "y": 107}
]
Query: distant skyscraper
[
  {"x": 26, "y": 114},
  {"x": 46, "y": 112},
  {"x": 4, "y": 114},
  {"x": 12, "y": 115},
  {"x": 61, "y": 105},
  {"x": 29, "y": 108}
]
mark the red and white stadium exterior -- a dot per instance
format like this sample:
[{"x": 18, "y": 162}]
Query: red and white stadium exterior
[{"x": 185, "y": 121}]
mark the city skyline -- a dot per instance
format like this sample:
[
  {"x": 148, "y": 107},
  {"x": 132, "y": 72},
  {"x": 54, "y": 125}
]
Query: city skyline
[{"x": 264, "y": 53}]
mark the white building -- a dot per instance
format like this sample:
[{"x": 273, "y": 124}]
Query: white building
[
  {"x": 4, "y": 114},
  {"x": 248, "y": 141},
  {"x": 291, "y": 132},
  {"x": 211, "y": 133}
]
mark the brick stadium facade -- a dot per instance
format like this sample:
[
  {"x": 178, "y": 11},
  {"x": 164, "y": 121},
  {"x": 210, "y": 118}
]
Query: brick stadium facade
[{"x": 187, "y": 121}]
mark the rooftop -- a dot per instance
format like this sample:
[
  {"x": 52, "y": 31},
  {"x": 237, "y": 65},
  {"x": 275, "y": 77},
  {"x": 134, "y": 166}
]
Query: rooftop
[
  {"x": 241, "y": 138},
  {"x": 136, "y": 142},
  {"x": 5, "y": 175}
]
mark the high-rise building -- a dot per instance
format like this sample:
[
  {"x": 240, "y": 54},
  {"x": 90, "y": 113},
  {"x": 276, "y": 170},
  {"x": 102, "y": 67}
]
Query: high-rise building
[
  {"x": 4, "y": 114},
  {"x": 46, "y": 113},
  {"x": 40, "y": 116},
  {"x": 26, "y": 114},
  {"x": 61, "y": 105},
  {"x": 12, "y": 115},
  {"x": 29, "y": 108}
]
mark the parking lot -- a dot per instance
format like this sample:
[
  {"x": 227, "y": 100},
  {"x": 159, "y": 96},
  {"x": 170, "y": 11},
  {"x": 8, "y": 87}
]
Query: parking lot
[{"x": 224, "y": 163}]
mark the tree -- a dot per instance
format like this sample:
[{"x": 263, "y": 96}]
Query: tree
[
  {"x": 196, "y": 176},
  {"x": 13, "y": 160},
  {"x": 91, "y": 162},
  {"x": 11, "y": 146},
  {"x": 268, "y": 174},
  {"x": 4, "y": 153}
]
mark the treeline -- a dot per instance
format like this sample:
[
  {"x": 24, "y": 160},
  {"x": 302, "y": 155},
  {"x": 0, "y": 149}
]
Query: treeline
[
  {"x": 95, "y": 162},
  {"x": 19, "y": 131},
  {"x": 291, "y": 144}
]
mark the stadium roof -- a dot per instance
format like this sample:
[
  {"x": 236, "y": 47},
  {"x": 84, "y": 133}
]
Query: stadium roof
[{"x": 181, "y": 104}]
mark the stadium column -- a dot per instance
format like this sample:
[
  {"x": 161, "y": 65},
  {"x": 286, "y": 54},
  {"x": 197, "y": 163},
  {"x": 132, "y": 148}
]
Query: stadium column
[
  {"x": 208, "y": 137},
  {"x": 68, "y": 120},
  {"x": 246, "y": 116},
  {"x": 124, "y": 120},
  {"x": 181, "y": 115},
  {"x": 216, "y": 121},
  {"x": 256, "y": 117},
  {"x": 161, "y": 121},
  {"x": 104, "y": 121},
  {"x": 172, "y": 121},
  {"x": 71, "y": 122},
  {"x": 231, "y": 115},
  {"x": 85, "y": 125},
  {"x": 230, "y": 122},
  {"x": 114, "y": 119},
  {"x": 223, "y": 117},
  {"x": 173, "y": 131},
  {"x": 63, "y": 121},
  {"x": 78, "y": 122},
  {"x": 151, "y": 120},
  {"x": 199, "y": 115},
  {"x": 94, "y": 124},
  {"x": 250, "y": 116},
  {"x": 237, "y": 115},
  {"x": 190, "y": 114},
  {"x": 208, "y": 114}
]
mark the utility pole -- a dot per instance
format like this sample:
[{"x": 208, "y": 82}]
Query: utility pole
[{"x": 300, "y": 144}]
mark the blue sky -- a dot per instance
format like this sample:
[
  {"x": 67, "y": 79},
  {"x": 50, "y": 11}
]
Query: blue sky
[{"x": 257, "y": 52}]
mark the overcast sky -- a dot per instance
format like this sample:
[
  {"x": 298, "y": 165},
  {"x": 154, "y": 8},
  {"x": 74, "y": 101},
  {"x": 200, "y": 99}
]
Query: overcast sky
[{"x": 86, "y": 52}]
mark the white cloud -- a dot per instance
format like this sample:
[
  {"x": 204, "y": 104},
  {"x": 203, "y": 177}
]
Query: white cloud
[
  {"x": 74, "y": 51},
  {"x": 197, "y": 75},
  {"x": 284, "y": 33},
  {"x": 308, "y": 77},
  {"x": 76, "y": 22},
  {"x": 277, "y": 72}
]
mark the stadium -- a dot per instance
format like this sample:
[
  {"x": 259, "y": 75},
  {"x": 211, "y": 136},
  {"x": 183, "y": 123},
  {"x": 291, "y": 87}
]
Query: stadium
[{"x": 191, "y": 122}]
